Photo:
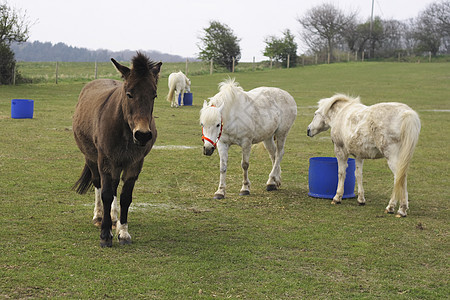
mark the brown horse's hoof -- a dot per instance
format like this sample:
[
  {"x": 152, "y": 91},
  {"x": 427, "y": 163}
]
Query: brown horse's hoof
[
  {"x": 244, "y": 193},
  {"x": 218, "y": 196},
  {"x": 106, "y": 243},
  {"x": 271, "y": 187}
]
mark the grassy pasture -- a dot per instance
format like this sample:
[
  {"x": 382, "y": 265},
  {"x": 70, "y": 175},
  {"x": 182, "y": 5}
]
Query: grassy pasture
[{"x": 274, "y": 245}]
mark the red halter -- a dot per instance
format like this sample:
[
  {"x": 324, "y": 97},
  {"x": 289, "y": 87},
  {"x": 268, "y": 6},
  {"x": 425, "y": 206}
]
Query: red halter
[{"x": 208, "y": 139}]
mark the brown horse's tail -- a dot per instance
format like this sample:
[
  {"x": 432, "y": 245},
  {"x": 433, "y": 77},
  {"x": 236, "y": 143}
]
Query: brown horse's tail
[
  {"x": 409, "y": 136},
  {"x": 84, "y": 183}
]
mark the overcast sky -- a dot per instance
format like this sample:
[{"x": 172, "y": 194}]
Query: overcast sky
[{"x": 174, "y": 26}]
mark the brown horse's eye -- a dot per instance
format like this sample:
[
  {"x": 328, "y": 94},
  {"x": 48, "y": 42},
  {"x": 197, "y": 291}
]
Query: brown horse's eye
[{"x": 129, "y": 95}]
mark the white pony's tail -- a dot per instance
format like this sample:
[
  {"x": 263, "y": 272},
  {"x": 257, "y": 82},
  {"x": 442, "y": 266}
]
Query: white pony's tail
[
  {"x": 409, "y": 136},
  {"x": 171, "y": 92}
]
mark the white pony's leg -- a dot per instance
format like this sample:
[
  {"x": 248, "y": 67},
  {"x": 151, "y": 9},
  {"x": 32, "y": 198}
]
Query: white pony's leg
[
  {"x": 175, "y": 102},
  {"x": 274, "y": 181},
  {"x": 114, "y": 212},
  {"x": 342, "y": 166},
  {"x": 98, "y": 208},
  {"x": 223, "y": 153},
  {"x": 403, "y": 203},
  {"x": 359, "y": 179},
  {"x": 270, "y": 146},
  {"x": 245, "y": 190},
  {"x": 182, "y": 98},
  {"x": 392, "y": 163}
]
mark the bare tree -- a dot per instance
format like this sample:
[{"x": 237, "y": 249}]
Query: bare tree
[
  {"x": 323, "y": 25},
  {"x": 432, "y": 28}
]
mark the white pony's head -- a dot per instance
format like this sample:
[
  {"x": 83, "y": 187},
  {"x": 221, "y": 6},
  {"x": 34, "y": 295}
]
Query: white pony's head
[
  {"x": 321, "y": 120},
  {"x": 212, "y": 125}
]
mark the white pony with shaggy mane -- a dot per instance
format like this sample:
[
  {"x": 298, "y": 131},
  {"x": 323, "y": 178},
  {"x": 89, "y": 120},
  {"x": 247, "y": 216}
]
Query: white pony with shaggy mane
[
  {"x": 236, "y": 117},
  {"x": 178, "y": 84},
  {"x": 389, "y": 130}
]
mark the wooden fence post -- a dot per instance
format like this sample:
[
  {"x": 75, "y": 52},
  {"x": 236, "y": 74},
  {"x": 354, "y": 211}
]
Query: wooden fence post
[
  {"x": 271, "y": 62},
  {"x": 14, "y": 75},
  {"x": 232, "y": 68},
  {"x": 96, "y": 70},
  {"x": 187, "y": 66},
  {"x": 253, "y": 65},
  {"x": 288, "y": 60},
  {"x": 211, "y": 67},
  {"x": 56, "y": 73}
]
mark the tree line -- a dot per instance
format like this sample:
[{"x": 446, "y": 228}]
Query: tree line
[
  {"x": 46, "y": 51},
  {"x": 325, "y": 31}
]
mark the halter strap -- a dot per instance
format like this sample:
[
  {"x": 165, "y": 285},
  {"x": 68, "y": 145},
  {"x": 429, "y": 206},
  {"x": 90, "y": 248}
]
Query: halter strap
[{"x": 220, "y": 134}]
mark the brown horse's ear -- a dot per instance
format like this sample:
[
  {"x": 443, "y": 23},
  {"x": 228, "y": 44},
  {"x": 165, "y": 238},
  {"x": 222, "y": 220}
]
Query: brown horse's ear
[
  {"x": 125, "y": 71},
  {"x": 156, "y": 69}
]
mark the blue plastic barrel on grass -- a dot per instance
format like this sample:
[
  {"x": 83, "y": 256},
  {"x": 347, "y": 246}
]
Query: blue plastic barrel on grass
[
  {"x": 323, "y": 177},
  {"x": 187, "y": 100},
  {"x": 22, "y": 108}
]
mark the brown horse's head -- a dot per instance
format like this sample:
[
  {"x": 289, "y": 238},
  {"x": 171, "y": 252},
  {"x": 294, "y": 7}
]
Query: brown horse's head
[{"x": 138, "y": 95}]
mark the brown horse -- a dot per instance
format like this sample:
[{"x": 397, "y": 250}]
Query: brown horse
[{"x": 114, "y": 128}]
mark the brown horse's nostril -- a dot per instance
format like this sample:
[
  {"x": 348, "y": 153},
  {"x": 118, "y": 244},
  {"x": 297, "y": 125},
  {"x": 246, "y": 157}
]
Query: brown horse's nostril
[{"x": 142, "y": 137}]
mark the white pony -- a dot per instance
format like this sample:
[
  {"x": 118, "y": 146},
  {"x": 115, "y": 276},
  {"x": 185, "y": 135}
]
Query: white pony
[
  {"x": 388, "y": 130},
  {"x": 236, "y": 117},
  {"x": 178, "y": 84}
]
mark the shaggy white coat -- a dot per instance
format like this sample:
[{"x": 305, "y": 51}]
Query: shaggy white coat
[
  {"x": 264, "y": 114},
  {"x": 389, "y": 130}
]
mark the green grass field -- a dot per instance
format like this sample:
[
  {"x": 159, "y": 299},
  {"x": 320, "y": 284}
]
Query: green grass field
[{"x": 273, "y": 245}]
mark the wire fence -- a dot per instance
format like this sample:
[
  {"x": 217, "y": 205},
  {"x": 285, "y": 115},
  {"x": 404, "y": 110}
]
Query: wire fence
[{"x": 60, "y": 72}]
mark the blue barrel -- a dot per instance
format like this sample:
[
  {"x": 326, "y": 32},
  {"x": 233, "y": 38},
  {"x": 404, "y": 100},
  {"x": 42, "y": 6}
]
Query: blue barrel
[
  {"x": 187, "y": 100},
  {"x": 22, "y": 108},
  {"x": 323, "y": 177}
]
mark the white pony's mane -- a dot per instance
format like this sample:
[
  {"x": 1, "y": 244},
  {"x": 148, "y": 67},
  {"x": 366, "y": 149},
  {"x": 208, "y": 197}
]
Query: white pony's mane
[
  {"x": 229, "y": 91},
  {"x": 327, "y": 103}
]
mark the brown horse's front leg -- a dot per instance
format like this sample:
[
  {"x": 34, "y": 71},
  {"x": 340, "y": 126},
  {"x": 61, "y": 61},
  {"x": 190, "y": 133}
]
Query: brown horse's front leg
[
  {"x": 125, "y": 201},
  {"x": 107, "y": 199},
  {"x": 108, "y": 194},
  {"x": 129, "y": 177}
]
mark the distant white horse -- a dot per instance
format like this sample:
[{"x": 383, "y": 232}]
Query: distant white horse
[
  {"x": 178, "y": 84},
  {"x": 236, "y": 117},
  {"x": 388, "y": 130}
]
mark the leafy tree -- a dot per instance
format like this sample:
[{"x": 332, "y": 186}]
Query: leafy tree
[
  {"x": 280, "y": 48},
  {"x": 220, "y": 44},
  {"x": 14, "y": 27}
]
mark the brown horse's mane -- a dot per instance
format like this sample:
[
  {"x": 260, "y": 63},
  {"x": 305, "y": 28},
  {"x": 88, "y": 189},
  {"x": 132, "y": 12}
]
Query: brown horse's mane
[{"x": 142, "y": 65}]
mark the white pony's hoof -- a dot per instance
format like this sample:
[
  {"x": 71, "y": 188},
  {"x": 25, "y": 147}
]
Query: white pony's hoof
[
  {"x": 244, "y": 193},
  {"x": 335, "y": 202},
  {"x": 97, "y": 222},
  {"x": 219, "y": 196},
  {"x": 271, "y": 187}
]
